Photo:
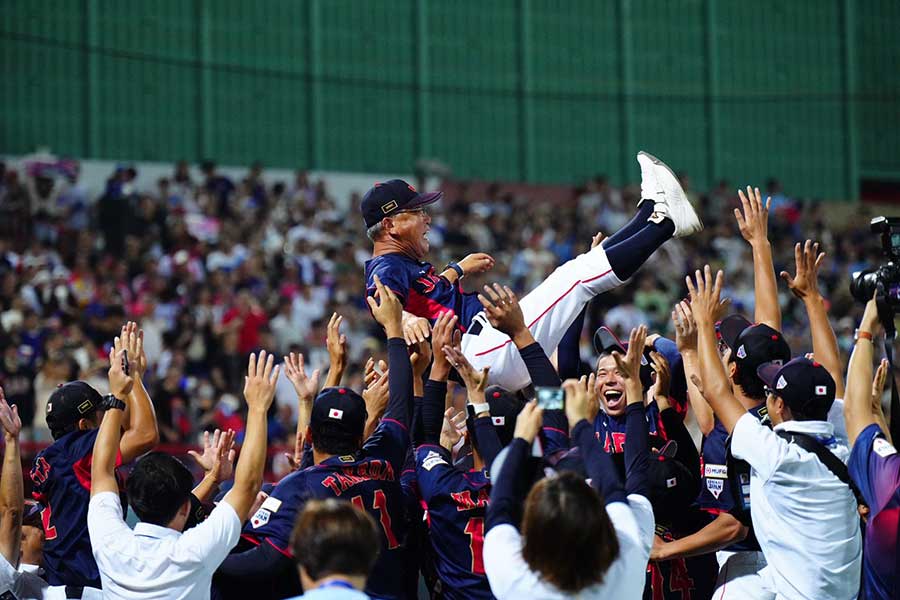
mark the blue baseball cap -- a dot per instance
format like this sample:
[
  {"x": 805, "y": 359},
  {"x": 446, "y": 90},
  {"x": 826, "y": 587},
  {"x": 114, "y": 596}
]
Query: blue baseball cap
[
  {"x": 392, "y": 197},
  {"x": 341, "y": 410}
]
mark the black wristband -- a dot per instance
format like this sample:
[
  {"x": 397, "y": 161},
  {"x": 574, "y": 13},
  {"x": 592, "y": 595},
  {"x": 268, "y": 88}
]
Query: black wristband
[{"x": 109, "y": 402}]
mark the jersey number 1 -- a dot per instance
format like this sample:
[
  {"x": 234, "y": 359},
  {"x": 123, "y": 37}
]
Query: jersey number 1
[
  {"x": 475, "y": 531},
  {"x": 380, "y": 504}
]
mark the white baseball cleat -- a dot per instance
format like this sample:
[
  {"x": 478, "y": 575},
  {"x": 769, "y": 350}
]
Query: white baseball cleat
[
  {"x": 671, "y": 200},
  {"x": 650, "y": 187}
]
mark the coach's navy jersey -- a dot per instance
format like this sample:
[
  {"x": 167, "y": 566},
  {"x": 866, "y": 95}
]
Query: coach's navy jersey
[
  {"x": 422, "y": 292},
  {"x": 62, "y": 484},
  {"x": 611, "y": 430},
  {"x": 370, "y": 479},
  {"x": 874, "y": 466},
  {"x": 725, "y": 480},
  {"x": 456, "y": 502}
]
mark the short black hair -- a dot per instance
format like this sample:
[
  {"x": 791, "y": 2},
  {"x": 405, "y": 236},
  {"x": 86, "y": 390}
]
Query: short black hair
[
  {"x": 158, "y": 487},
  {"x": 332, "y": 439},
  {"x": 749, "y": 382},
  {"x": 334, "y": 537}
]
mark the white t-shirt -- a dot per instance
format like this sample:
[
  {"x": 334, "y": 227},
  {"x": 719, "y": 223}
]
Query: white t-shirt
[
  {"x": 154, "y": 562},
  {"x": 804, "y": 517},
  {"x": 510, "y": 576},
  {"x": 24, "y": 584}
]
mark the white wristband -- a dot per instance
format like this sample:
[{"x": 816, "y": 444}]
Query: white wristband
[{"x": 480, "y": 408}]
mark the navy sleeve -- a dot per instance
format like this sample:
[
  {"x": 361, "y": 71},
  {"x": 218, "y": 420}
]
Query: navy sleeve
[
  {"x": 306, "y": 459},
  {"x": 434, "y": 472},
  {"x": 400, "y": 383},
  {"x": 874, "y": 467},
  {"x": 416, "y": 429},
  {"x": 540, "y": 369},
  {"x": 637, "y": 453},
  {"x": 598, "y": 464},
  {"x": 509, "y": 487},
  {"x": 394, "y": 277},
  {"x": 433, "y": 412},
  {"x": 687, "y": 451},
  {"x": 487, "y": 440},
  {"x": 262, "y": 562},
  {"x": 568, "y": 353}
]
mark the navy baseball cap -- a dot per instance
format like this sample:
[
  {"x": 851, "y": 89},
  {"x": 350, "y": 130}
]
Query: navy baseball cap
[
  {"x": 68, "y": 404},
  {"x": 505, "y": 407},
  {"x": 805, "y": 386},
  {"x": 606, "y": 342},
  {"x": 752, "y": 345},
  {"x": 341, "y": 410},
  {"x": 393, "y": 197}
]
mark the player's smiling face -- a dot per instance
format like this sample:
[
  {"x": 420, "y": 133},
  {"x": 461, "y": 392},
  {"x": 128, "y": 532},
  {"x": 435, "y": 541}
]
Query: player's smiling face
[
  {"x": 610, "y": 386},
  {"x": 411, "y": 230}
]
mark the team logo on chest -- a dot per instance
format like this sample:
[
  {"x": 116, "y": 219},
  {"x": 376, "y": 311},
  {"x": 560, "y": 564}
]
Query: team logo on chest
[{"x": 715, "y": 487}]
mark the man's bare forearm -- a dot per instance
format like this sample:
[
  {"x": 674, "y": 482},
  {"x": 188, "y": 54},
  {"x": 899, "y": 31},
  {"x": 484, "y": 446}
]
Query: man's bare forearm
[
  {"x": 825, "y": 346},
  {"x": 249, "y": 471},
  {"x": 765, "y": 286},
  {"x": 12, "y": 500}
]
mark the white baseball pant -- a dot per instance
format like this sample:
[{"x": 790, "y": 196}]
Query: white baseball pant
[
  {"x": 740, "y": 577},
  {"x": 549, "y": 310}
]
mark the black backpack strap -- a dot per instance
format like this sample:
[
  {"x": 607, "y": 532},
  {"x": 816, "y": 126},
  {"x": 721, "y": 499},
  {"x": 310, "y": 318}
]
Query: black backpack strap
[{"x": 826, "y": 457}]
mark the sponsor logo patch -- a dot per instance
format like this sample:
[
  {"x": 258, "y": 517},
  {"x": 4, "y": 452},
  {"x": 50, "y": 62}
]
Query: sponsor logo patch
[
  {"x": 84, "y": 407},
  {"x": 347, "y": 458},
  {"x": 260, "y": 518},
  {"x": 386, "y": 208},
  {"x": 715, "y": 471},
  {"x": 336, "y": 413},
  {"x": 271, "y": 504},
  {"x": 883, "y": 448},
  {"x": 432, "y": 459},
  {"x": 715, "y": 487}
]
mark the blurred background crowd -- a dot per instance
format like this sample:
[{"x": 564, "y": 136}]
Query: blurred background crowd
[{"x": 214, "y": 267}]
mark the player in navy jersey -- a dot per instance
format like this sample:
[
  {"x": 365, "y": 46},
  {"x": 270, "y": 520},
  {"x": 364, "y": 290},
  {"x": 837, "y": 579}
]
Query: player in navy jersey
[
  {"x": 62, "y": 472},
  {"x": 456, "y": 499},
  {"x": 874, "y": 463},
  {"x": 366, "y": 474},
  {"x": 397, "y": 224}
]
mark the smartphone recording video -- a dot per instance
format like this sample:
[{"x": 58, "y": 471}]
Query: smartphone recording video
[{"x": 551, "y": 398}]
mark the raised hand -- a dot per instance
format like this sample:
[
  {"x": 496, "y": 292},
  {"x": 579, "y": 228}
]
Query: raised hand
[
  {"x": 581, "y": 400},
  {"x": 630, "y": 364},
  {"x": 120, "y": 384},
  {"x": 415, "y": 330},
  {"x": 597, "y": 239},
  {"x": 217, "y": 459},
  {"x": 877, "y": 385},
  {"x": 502, "y": 310},
  {"x": 336, "y": 343},
  {"x": 685, "y": 328},
  {"x": 370, "y": 374},
  {"x": 444, "y": 333},
  {"x": 376, "y": 396},
  {"x": 660, "y": 389},
  {"x": 474, "y": 381},
  {"x": 306, "y": 387},
  {"x": 420, "y": 359},
  {"x": 804, "y": 284},
  {"x": 386, "y": 309},
  {"x": 9, "y": 417},
  {"x": 754, "y": 220},
  {"x": 453, "y": 428},
  {"x": 259, "y": 384},
  {"x": 705, "y": 292},
  {"x": 529, "y": 421},
  {"x": 479, "y": 262},
  {"x": 870, "y": 320}
]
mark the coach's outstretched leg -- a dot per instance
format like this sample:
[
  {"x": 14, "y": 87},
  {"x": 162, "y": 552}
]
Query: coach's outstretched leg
[{"x": 664, "y": 212}]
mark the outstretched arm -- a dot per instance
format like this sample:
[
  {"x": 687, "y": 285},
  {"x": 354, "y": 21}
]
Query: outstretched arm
[
  {"x": 306, "y": 389},
  {"x": 686, "y": 339},
  {"x": 715, "y": 387},
  {"x": 141, "y": 433},
  {"x": 217, "y": 462},
  {"x": 510, "y": 486},
  {"x": 858, "y": 403},
  {"x": 259, "y": 390},
  {"x": 106, "y": 446},
  {"x": 336, "y": 343},
  {"x": 12, "y": 494},
  {"x": 754, "y": 224},
  {"x": 804, "y": 285},
  {"x": 387, "y": 311}
]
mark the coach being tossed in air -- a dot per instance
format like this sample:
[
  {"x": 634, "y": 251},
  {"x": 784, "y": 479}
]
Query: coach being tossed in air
[{"x": 398, "y": 225}]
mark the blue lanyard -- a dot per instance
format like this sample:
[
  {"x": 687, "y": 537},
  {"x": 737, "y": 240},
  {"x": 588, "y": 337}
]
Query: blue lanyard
[{"x": 336, "y": 583}]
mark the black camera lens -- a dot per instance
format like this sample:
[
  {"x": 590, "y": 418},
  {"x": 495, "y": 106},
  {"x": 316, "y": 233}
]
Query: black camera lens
[{"x": 863, "y": 284}]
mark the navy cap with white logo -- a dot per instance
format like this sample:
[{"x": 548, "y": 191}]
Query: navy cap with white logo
[
  {"x": 341, "y": 411},
  {"x": 805, "y": 386},
  {"x": 392, "y": 197},
  {"x": 753, "y": 344}
]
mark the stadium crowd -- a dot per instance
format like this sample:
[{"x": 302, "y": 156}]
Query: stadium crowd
[{"x": 258, "y": 328}]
